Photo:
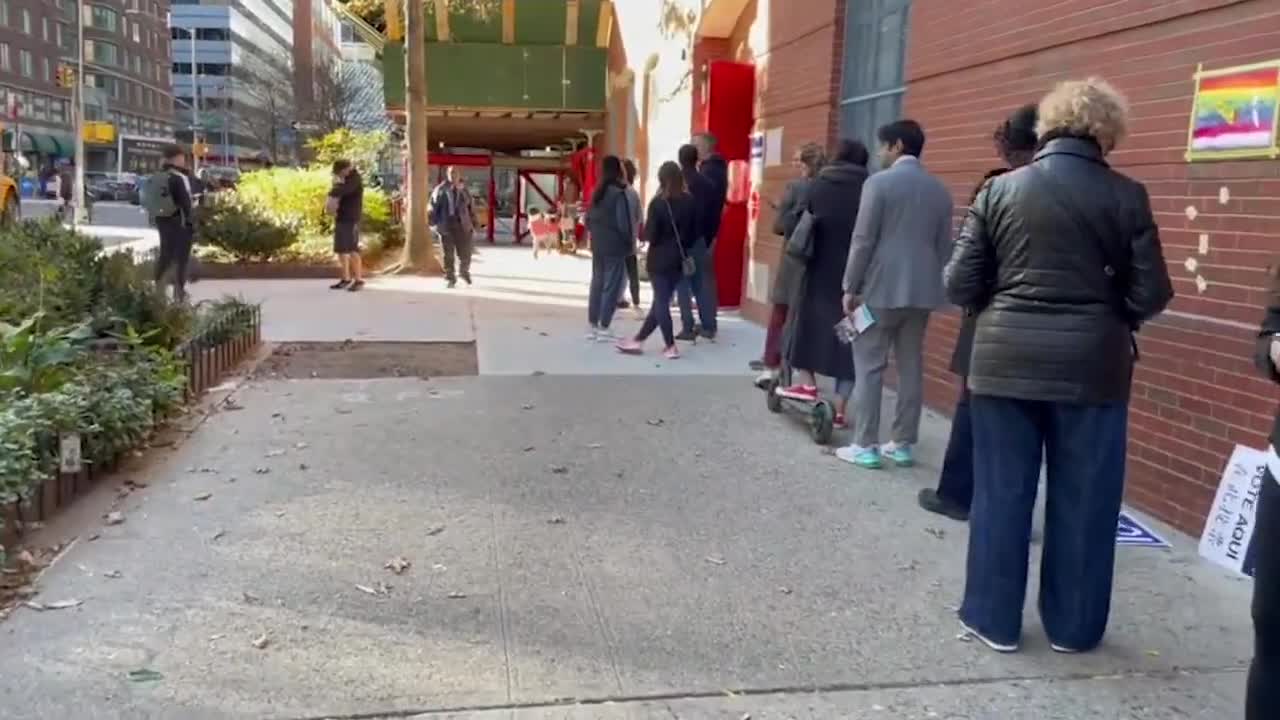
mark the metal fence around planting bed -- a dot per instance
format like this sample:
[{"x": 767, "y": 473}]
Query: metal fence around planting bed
[{"x": 218, "y": 345}]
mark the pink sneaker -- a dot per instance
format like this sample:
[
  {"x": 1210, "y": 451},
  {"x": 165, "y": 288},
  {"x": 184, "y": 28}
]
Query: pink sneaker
[
  {"x": 671, "y": 353},
  {"x": 800, "y": 392},
  {"x": 630, "y": 347}
]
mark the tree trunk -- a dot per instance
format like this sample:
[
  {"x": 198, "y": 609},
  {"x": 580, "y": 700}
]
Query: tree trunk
[{"x": 419, "y": 249}]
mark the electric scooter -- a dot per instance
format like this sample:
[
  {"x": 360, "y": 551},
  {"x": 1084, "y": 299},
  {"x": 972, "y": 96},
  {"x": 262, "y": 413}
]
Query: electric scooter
[{"x": 820, "y": 414}]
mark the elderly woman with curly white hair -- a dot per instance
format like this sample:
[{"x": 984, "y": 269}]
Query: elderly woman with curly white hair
[{"x": 1061, "y": 263}]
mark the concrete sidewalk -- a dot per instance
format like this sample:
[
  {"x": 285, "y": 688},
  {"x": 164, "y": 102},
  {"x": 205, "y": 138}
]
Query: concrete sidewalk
[
  {"x": 525, "y": 316},
  {"x": 580, "y": 548}
]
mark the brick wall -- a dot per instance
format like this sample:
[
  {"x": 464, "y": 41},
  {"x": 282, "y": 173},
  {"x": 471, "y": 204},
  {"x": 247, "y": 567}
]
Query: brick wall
[
  {"x": 1196, "y": 394},
  {"x": 798, "y": 60}
]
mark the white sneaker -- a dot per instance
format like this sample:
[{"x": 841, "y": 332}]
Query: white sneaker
[
  {"x": 606, "y": 336},
  {"x": 592, "y": 334},
  {"x": 764, "y": 379},
  {"x": 639, "y": 312},
  {"x": 1064, "y": 650},
  {"x": 998, "y": 647}
]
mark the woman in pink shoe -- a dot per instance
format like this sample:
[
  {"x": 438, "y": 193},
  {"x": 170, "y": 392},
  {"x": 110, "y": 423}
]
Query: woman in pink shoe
[{"x": 670, "y": 226}]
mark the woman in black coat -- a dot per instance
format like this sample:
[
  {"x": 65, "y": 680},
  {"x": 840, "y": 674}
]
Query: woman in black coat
[
  {"x": 1015, "y": 141},
  {"x": 814, "y": 348},
  {"x": 670, "y": 227},
  {"x": 1264, "y": 673}
]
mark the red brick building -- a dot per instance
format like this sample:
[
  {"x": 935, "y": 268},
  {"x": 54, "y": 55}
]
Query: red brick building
[{"x": 832, "y": 67}]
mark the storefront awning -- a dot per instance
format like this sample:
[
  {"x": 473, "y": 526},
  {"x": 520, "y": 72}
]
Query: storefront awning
[{"x": 38, "y": 142}]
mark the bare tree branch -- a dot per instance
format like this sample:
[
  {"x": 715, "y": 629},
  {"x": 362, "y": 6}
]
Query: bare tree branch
[{"x": 268, "y": 107}]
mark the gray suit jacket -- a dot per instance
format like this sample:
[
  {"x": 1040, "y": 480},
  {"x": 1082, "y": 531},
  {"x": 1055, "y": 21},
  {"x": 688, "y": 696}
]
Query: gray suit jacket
[{"x": 902, "y": 239}]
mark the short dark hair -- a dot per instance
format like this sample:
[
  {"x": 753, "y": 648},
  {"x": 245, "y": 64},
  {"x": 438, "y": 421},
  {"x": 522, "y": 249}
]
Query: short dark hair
[
  {"x": 173, "y": 151},
  {"x": 853, "y": 151},
  {"x": 907, "y": 132},
  {"x": 340, "y": 165},
  {"x": 688, "y": 156},
  {"x": 629, "y": 167}
]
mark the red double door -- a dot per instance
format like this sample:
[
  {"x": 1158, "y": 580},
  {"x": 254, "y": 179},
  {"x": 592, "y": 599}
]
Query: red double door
[{"x": 730, "y": 117}]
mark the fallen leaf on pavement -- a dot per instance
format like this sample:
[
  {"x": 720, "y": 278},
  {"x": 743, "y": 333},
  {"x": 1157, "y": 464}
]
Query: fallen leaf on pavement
[
  {"x": 218, "y": 535},
  {"x": 279, "y": 513},
  {"x": 342, "y": 411},
  {"x": 715, "y": 560},
  {"x": 435, "y": 530},
  {"x": 250, "y": 598},
  {"x": 1153, "y": 653},
  {"x": 217, "y": 637},
  {"x": 378, "y": 590},
  {"x": 202, "y": 497},
  {"x": 303, "y": 466},
  {"x": 557, "y": 520},
  {"x": 278, "y": 415},
  {"x": 595, "y": 446},
  {"x": 301, "y": 445},
  {"x": 559, "y": 470},
  {"x": 261, "y": 642},
  {"x": 231, "y": 404},
  {"x": 113, "y": 574},
  {"x": 144, "y": 675},
  {"x": 274, "y": 453},
  {"x": 537, "y": 373},
  {"x": 93, "y": 537},
  {"x": 657, "y": 422},
  {"x": 58, "y": 605},
  {"x": 262, "y": 470},
  {"x": 455, "y": 595},
  {"x": 115, "y": 517},
  {"x": 529, "y": 448},
  {"x": 26, "y": 561},
  {"x": 936, "y": 532},
  {"x": 398, "y": 565},
  {"x": 785, "y": 590},
  {"x": 527, "y": 406}
]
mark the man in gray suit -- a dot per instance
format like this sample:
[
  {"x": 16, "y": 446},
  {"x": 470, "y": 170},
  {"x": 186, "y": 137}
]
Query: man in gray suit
[{"x": 901, "y": 241}]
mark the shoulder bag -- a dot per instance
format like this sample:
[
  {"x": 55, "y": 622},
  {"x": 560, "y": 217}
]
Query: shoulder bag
[
  {"x": 688, "y": 266},
  {"x": 800, "y": 242}
]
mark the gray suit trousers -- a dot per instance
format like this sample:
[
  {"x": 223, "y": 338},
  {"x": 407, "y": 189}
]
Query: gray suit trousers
[{"x": 902, "y": 330}]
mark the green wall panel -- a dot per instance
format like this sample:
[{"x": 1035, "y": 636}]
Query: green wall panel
[
  {"x": 586, "y": 73},
  {"x": 534, "y": 77},
  {"x": 393, "y": 74},
  {"x": 588, "y": 21},
  {"x": 540, "y": 22},
  {"x": 470, "y": 27}
]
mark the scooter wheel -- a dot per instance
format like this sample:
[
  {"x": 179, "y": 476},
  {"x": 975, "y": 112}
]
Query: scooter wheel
[
  {"x": 822, "y": 422},
  {"x": 771, "y": 397}
]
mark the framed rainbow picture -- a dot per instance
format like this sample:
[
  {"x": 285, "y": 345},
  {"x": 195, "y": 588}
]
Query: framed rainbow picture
[{"x": 1234, "y": 113}]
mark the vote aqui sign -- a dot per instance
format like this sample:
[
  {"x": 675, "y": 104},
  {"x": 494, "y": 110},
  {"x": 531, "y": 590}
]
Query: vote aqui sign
[{"x": 1228, "y": 533}]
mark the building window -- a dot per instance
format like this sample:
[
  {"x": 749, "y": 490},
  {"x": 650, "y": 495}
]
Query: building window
[
  {"x": 875, "y": 42},
  {"x": 48, "y": 70},
  {"x": 5, "y": 63},
  {"x": 181, "y": 68},
  {"x": 44, "y": 29},
  {"x": 212, "y": 34},
  {"x": 62, "y": 35},
  {"x": 137, "y": 34},
  {"x": 177, "y": 33},
  {"x": 26, "y": 63},
  {"x": 26, "y": 21},
  {"x": 39, "y": 107},
  {"x": 101, "y": 17},
  {"x": 104, "y": 53},
  {"x": 4, "y": 13}
]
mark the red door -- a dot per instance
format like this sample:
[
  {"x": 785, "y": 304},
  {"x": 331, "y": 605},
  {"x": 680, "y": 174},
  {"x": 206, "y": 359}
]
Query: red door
[{"x": 731, "y": 100}]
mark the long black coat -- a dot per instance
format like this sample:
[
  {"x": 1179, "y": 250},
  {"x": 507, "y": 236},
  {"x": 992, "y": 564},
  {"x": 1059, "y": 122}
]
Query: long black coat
[
  {"x": 833, "y": 199},
  {"x": 1064, "y": 258}
]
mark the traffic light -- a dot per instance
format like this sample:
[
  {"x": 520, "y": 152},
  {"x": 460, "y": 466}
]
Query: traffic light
[{"x": 66, "y": 76}]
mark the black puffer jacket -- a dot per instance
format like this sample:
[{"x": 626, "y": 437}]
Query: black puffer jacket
[
  {"x": 1063, "y": 259},
  {"x": 1269, "y": 331}
]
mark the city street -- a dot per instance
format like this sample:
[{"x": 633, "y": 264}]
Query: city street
[{"x": 114, "y": 223}]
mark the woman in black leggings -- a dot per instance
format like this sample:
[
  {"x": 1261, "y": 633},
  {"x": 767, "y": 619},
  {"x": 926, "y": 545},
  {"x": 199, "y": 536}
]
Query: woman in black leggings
[{"x": 1264, "y": 675}]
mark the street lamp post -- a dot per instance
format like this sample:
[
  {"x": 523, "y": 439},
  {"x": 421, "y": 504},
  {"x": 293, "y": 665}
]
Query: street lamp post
[
  {"x": 79, "y": 215},
  {"x": 195, "y": 104}
]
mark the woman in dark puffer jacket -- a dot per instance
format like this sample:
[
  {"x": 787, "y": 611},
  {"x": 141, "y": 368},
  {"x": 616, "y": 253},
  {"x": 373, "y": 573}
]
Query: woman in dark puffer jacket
[{"x": 1062, "y": 259}]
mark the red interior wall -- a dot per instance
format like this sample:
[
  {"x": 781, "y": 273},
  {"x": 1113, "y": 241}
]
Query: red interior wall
[{"x": 730, "y": 116}]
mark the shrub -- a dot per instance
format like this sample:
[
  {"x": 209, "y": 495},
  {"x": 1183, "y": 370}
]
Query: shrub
[
  {"x": 129, "y": 302},
  {"x": 243, "y": 229},
  {"x": 45, "y": 267},
  {"x": 296, "y": 198},
  {"x": 362, "y": 148}
]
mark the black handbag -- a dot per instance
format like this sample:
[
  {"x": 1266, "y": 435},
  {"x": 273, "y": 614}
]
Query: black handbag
[{"x": 800, "y": 243}]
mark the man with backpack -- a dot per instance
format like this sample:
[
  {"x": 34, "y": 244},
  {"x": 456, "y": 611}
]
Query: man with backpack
[{"x": 167, "y": 199}]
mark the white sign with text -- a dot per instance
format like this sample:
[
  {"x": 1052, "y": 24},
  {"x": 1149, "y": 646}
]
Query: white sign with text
[{"x": 1228, "y": 533}]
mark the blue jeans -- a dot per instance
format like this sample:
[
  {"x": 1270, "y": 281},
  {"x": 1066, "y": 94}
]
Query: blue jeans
[
  {"x": 955, "y": 484},
  {"x": 607, "y": 277},
  {"x": 701, "y": 285},
  {"x": 659, "y": 317},
  {"x": 1084, "y": 451}
]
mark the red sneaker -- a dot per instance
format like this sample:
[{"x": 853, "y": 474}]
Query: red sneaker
[{"x": 807, "y": 393}]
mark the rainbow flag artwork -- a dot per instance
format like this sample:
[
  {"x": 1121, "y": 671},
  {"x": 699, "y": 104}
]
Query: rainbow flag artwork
[{"x": 1235, "y": 112}]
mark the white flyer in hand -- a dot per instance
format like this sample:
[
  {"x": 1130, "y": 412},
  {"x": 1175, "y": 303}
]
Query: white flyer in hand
[{"x": 863, "y": 318}]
